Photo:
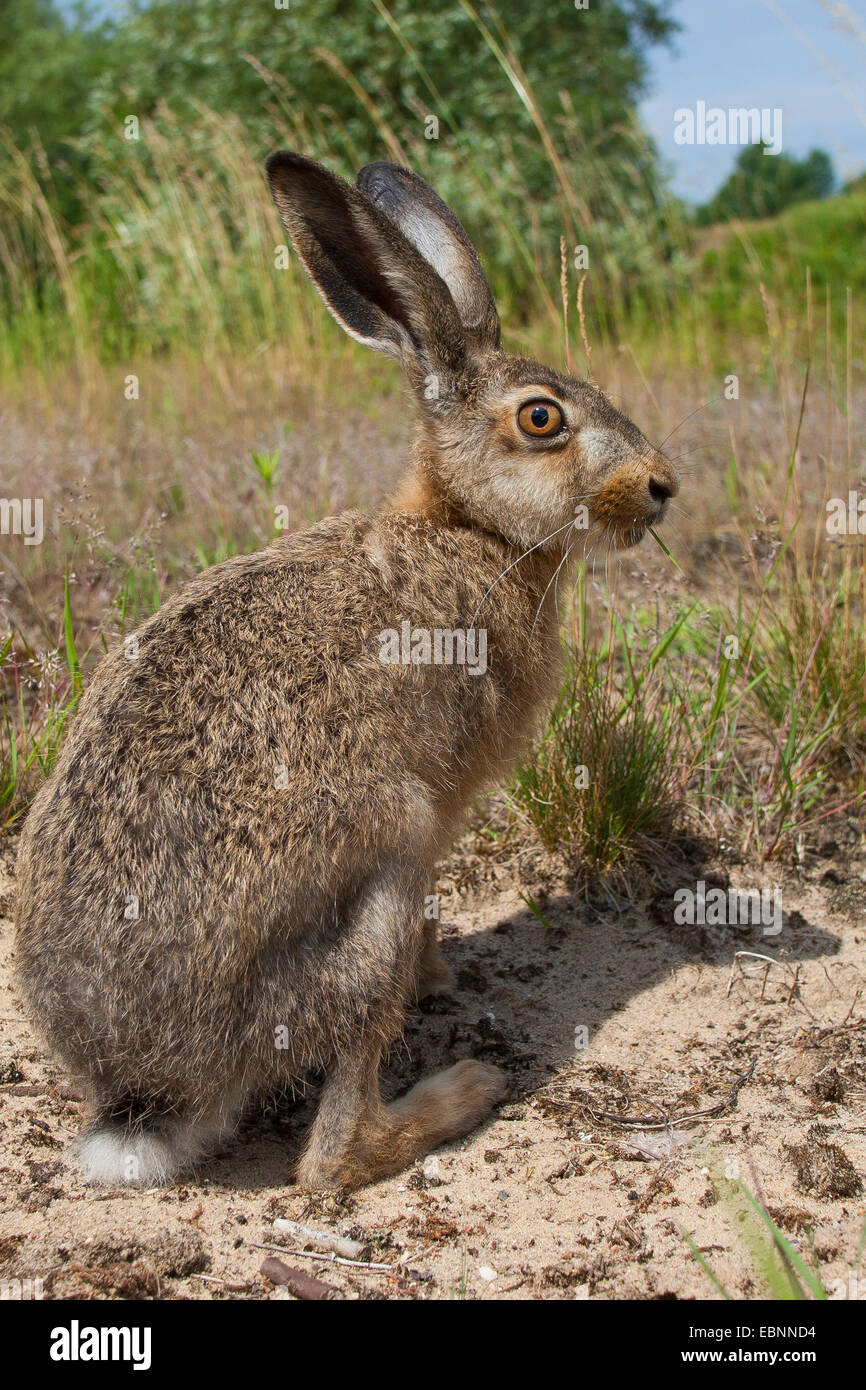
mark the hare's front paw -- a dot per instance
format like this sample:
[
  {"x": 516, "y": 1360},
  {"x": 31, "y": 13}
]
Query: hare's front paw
[{"x": 435, "y": 976}]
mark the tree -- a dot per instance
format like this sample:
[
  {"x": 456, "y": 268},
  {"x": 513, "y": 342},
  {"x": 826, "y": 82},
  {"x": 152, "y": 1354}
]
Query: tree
[
  {"x": 48, "y": 67},
  {"x": 585, "y": 70},
  {"x": 763, "y": 185},
  {"x": 409, "y": 56},
  {"x": 531, "y": 107}
]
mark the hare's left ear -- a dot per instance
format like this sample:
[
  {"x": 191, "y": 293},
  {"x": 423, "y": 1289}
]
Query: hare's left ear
[{"x": 431, "y": 227}]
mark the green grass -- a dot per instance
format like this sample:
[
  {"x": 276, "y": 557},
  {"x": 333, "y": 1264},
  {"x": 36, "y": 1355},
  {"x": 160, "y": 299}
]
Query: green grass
[
  {"x": 38, "y": 697},
  {"x": 780, "y": 1270},
  {"x": 605, "y": 782},
  {"x": 179, "y": 254},
  {"x": 826, "y": 238},
  {"x": 746, "y": 714}
]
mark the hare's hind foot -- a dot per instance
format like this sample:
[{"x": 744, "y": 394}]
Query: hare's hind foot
[
  {"x": 356, "y": 1138},
  {"x": 349, "y": 1147}
]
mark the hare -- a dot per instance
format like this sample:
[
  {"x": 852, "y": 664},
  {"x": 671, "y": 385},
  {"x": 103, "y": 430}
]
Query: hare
[{"x": 223, "y": 882}]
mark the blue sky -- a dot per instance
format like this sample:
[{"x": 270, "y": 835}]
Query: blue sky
[{"x": 799, "y": 55}]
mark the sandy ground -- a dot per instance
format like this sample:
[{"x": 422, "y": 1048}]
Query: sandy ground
[{"x": 549, "y": 1200}]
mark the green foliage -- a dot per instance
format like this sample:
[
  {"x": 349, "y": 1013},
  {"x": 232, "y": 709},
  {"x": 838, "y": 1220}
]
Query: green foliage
[
  {"x": 409, "y": 60},
  {"x": 528, "y": 153},
  {"x": 37, "y": 698},
  {"x": 604, "y": 782},
  {"x": 763, "y": 185},
  {"x": 783, "y": 1273},
  {"x": 826, "y": 237},
  {"x": 49, "y": 68},
  {"x": 267, "y": 467},
  {"x": 657, "y": 710}
]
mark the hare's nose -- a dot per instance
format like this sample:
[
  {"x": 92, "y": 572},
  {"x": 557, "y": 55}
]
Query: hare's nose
[
  {"x": 662, "y": 489},
  {"x": 662, "y": 483}
]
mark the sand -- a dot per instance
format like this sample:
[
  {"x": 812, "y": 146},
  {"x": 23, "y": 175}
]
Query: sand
[{"x": 603, "y": 1013}]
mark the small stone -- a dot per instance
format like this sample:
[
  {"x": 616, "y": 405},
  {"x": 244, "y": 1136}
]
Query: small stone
[
  {"x": 487, "y": 1274},
  {"x": 431, "y": 1171}
]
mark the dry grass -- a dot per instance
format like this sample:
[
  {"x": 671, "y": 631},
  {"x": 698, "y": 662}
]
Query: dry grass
[{"x": 140, "y": 494}]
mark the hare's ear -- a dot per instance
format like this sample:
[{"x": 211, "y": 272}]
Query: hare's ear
[
  {"x": 433, "y": 230},
  {"x": 373, "y": 280}
]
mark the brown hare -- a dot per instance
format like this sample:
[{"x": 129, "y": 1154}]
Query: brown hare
[{"x": 223, "y": 882}]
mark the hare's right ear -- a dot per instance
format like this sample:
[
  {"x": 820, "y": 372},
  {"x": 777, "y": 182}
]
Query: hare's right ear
[
  {"x": 374, "y": 281},
  {"x": 431, "y": 226}
]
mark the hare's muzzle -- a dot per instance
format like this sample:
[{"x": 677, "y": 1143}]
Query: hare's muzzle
[{"x": 634, "y": 497}]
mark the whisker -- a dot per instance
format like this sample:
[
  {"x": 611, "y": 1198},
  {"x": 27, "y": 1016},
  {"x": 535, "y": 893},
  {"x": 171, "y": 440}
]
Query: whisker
[
  {"x": 697, "y": 449},
  {"x": 586, "y": 497},
  {"x": 556, "y": 582},
  {"x": 543, "y": 541},
  {"x": 547, "y": 590},
  {"x": 696, "y": 411}
]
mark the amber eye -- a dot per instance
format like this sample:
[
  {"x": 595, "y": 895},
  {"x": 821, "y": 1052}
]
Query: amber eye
[{"x": 540, "y": 419}]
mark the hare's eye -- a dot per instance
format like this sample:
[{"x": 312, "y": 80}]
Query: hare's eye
[{"x": 540, "y": 419}]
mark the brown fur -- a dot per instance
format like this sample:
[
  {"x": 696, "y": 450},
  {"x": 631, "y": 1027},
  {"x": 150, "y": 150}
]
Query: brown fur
[{"x": 222, "y": 884}]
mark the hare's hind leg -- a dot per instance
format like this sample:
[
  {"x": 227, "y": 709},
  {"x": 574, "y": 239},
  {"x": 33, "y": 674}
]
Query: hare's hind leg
[{"x": 355, "y": 1137}]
